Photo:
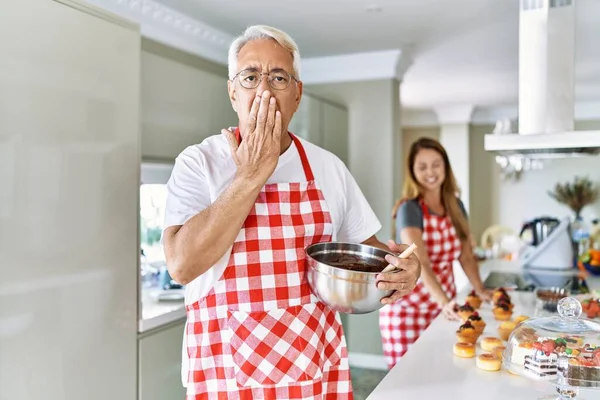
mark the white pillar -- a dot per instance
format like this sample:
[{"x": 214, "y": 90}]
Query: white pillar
[
  {"x": 454, "y": 136},
  {"x": 374, "y": 146}
]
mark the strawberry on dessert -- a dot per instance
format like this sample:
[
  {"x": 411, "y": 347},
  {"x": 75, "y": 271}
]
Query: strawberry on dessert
[
  {"x": 498, "y": 293},
  {"x": 474, "y": 300}
]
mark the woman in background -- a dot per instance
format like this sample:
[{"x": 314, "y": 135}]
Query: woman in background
[{"x": 431, "y": 215}]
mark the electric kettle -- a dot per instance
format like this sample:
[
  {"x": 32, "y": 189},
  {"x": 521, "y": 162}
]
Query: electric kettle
[{"x": 535, "y": 231}]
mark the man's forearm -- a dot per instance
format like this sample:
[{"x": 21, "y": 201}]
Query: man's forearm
[{"x": 197, "y": 245}]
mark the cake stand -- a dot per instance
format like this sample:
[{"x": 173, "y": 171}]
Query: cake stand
[{"x": 563, "y": 350}]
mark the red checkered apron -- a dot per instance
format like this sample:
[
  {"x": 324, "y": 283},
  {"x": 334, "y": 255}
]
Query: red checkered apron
[
  {"x": 260, "y": 332},
  {"x": 403, "y": 322}
]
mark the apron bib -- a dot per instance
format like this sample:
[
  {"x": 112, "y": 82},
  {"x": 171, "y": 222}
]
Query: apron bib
[{"x": 260, "y": 332}]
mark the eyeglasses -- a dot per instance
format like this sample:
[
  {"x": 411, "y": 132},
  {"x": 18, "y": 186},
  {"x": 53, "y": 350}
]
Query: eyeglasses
[{"x": 278, "y": 79}]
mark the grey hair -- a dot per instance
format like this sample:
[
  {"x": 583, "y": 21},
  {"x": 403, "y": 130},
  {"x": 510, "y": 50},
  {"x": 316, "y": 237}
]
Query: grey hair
[{"x": 256, "y": 32}]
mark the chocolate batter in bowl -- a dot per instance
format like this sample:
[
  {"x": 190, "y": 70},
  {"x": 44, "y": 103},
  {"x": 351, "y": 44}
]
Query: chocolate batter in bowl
[
  {"x": 354, "y": 262},
  {"x": 343, "y": 276}
]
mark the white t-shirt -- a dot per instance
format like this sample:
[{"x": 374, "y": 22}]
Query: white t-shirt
[{"x": 203, "y": 171}]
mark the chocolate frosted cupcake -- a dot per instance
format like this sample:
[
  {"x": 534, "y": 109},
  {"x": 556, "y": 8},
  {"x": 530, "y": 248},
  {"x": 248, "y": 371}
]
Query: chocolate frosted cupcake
[
  {"x": 477, "y": 322},
  {"x": 502, "y": 312},
  {"x": 465, "y": 311},
  {"x": 466, "y": 333}
]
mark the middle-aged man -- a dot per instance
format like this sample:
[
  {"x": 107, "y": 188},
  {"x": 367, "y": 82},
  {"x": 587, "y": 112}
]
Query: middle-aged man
[{"x": 241, "y": 208}]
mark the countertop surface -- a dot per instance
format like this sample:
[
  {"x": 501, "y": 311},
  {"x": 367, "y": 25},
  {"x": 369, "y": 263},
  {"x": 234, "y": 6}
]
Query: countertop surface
[
  {"x": 156, "y": 313},
  {"x": 430, "y": 371}
]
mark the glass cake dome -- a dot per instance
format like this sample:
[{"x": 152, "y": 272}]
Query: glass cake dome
[{"x": 563, "y": 350}]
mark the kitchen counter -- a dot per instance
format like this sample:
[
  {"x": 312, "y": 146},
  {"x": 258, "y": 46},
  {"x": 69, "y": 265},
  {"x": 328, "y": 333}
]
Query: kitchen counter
[
  {"x": 430, "y": 371},
  {"x": 158, "y": 313}
]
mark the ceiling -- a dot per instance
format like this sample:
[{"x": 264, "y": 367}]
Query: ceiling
[{"x": 463, "y": 51}]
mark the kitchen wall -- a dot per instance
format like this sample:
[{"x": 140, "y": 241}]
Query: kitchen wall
[
  {"x": 484, "y": 181},
  {"x": 184, "y": 100}
]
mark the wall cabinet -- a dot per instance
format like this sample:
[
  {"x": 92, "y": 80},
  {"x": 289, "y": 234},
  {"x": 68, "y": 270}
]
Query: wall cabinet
[
  {"x": 334, "y": 129},
  {"x": 182, "y": 104},
  {"x": 322, "y": 123}
]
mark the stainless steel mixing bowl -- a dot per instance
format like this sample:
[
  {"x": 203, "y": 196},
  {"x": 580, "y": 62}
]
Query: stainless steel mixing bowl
[{"x": 344, "y": 290}]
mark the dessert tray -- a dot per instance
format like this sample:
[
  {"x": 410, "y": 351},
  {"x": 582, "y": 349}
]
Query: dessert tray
[{"x": 562, "y": 350}]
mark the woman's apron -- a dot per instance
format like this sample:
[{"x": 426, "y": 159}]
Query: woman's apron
[
  {"x": 403, "y": 322},
  {"x": 260, "y": 333}
]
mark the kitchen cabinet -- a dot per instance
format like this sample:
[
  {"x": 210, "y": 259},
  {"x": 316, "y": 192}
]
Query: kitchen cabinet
[
  {"x": 322, "y": 123},
  {"x": 70, "y": 139},
  {"x": 307, "y": 120},
  {"x": 160, "y": 363},
  {"x": 335, "y": 130},
  {"x": 183, "y": 101}
]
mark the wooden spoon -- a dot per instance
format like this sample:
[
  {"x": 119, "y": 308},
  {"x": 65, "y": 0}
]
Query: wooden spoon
[{"x": 405, "y": 254}]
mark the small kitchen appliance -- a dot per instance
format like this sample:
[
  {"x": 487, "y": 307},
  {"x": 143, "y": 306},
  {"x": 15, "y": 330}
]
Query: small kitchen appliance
[
  {"x": 535, "y": 231},
  {"x": 551, "y": 248}
]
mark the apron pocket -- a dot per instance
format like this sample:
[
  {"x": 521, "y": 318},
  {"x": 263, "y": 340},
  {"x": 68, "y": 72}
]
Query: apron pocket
[{"x": 281, "y": 346}]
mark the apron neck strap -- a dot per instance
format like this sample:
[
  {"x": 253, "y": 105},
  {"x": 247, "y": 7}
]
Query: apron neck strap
[{"x": 424, "y": 207}]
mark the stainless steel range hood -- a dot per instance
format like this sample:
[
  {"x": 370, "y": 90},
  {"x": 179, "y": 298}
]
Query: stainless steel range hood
[{"x": 546, "y": 87}]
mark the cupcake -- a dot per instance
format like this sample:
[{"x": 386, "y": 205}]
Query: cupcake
[
  {"x": 498, "y": 293},
  {"x": 502, "y": 312},
  {"x": 465, "y": 311},
  {"x": 466, "y": 333},
  {"x": 477, "y": 322},
  {"x": 504, "y": 300},
  {"x": 505, "y": 329},
  {"x": 473, "y": 300}
]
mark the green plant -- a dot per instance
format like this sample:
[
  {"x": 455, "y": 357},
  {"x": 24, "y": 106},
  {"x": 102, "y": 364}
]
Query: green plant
[{"x": 576, "y": 194}]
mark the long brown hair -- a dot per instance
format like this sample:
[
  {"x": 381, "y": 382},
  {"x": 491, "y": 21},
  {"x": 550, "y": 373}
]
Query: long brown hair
[{"x": 450, "y": 190}]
